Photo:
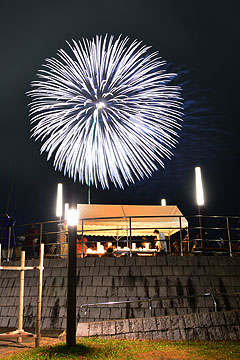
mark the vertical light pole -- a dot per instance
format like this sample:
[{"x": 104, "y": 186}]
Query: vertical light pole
[
  {"x": 59, "y": 208},
  {"x": 59, "y": 204},
  {"x": 163, "y": 202},
  {"x": 199, "y": 197},
  {"x": 72, "y": 220}
]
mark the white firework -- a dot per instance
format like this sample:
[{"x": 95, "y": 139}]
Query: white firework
[{"x": 107, "y": 112}]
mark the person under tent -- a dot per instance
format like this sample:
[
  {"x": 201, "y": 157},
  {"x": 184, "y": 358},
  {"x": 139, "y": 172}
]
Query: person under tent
[{"x": 160, "y": 241}]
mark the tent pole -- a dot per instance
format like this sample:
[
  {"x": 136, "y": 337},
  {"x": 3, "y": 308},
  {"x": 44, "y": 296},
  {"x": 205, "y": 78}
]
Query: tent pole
[
  {"x": 89, "y": 191},
  {"x": 130, "y": 235},
  {"x": 180, "y": 226},
  {"x": 82, "y": 255}
]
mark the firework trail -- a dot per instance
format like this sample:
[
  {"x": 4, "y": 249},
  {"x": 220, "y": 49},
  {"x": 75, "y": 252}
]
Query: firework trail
[{"x": 107, "y": 112}]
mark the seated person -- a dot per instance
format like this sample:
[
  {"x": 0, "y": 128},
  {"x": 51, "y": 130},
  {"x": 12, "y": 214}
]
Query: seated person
[
  {"x": 79, "y": 246},
  {"x": 108, "y": 247},
  {"x": 145, "y": 243},
  {"x": 93, "y": 246},
  {"x": 138, "y": 243}
]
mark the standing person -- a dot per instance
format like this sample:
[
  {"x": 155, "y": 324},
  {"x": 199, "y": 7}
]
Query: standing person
[
  {"x": 47, "y": 243},
  {"x": 176, "y": 248},
  {"x": 185, "y": 244},
  {"x": 31, "y": 239},
  {"x": 7, "y": 236},
  {"x": 160, "y": 241}
]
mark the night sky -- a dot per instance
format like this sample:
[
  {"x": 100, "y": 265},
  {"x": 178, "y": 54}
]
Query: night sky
[{"x": 200, "y": 38}]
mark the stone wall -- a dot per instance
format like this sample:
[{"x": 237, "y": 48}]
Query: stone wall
[
  {"x": 204, "y": 326},
  {"x": 116, "y": 279}
]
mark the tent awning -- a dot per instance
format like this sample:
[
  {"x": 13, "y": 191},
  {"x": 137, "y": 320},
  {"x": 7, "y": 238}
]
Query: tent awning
[{"x": 114, "y": 220}]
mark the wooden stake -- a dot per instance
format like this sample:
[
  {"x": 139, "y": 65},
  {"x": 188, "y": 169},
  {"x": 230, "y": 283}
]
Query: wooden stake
[{"x": 21, "y": 296}]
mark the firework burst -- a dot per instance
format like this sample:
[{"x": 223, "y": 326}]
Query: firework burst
[{"x": 107, "y": 112}]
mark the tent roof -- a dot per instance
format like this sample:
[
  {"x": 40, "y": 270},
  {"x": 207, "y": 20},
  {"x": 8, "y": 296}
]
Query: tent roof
[{"x": 113, "y": 220}]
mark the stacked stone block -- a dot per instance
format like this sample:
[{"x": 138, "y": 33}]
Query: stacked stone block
[
  {"x": 204, "y": 326},
  {"x": 121, "y": 279}
]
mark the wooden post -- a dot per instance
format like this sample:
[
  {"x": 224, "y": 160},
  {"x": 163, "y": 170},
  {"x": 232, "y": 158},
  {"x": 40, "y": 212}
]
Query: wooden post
[
  {"x": 39, "y": 299},
  {"x": 40, "y": 234},
  {"x": 21, "y": 296}
]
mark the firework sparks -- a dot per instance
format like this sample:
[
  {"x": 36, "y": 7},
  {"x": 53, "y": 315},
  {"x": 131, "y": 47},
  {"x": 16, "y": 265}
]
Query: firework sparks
[{"x": 107, "y": 112}]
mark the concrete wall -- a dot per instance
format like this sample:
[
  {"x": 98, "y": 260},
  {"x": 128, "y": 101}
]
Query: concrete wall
[
  {"x": 205, "y": 326},
  {"x": 114, "y": 279}
]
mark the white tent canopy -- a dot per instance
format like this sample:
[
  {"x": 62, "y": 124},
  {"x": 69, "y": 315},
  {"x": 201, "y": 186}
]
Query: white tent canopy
[{"x": 114, "y": 220}]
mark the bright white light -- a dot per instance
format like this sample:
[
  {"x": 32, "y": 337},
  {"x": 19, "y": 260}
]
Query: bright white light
[
  {"x": 72, "y": 217},
  {"x": 59, "y": 204},
  {"x": 108, "y": 112},
  {"x": 163, "y": 202},
  {"x": 100, "y": 105},
  {"x": 199, "y": 187}
]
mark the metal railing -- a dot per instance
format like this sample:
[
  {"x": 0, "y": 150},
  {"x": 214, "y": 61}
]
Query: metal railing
[
  {"x": 220, "y": 236},
  {"x": 151, "y": 300}
]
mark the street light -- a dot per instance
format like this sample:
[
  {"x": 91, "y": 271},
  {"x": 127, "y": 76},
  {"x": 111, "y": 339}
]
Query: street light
[
  {"x": 72, "y": 221},
  {"x": 72, "y": 217},
  {"x": 199, "y": 186},
  {"x": 163, "y": 202},
  {"x": 59, "y": 208},
  {"x": 59, "y": 201},
  {"x": 199, "y": 197}
]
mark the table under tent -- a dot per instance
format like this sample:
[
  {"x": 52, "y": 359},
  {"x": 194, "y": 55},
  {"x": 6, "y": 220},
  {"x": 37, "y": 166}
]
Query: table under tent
[{"x": 128, "y": 222}]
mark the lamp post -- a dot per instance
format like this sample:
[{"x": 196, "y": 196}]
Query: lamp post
[
  {"x": 59, "y": 201},
  {"x": 72, "y": 220},
  {"x": 163, "y": 202},
  {"x": 199, "y": 197},
  {"x": 59, "y": 208}
]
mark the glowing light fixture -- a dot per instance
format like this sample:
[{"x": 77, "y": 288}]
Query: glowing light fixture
[
  {"x": 163, "y": 202},
  {"x": 59, "y": 204},
  {"x": 199, "y": 186},
  {"x": 72, "y": 217}
]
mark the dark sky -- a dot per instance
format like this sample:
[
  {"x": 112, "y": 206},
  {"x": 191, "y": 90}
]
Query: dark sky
[{"x": 199, "y": 36}]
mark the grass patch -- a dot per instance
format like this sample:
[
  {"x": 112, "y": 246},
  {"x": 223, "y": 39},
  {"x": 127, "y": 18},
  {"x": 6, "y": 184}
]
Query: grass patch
[{"x": 112, "y": 349}]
